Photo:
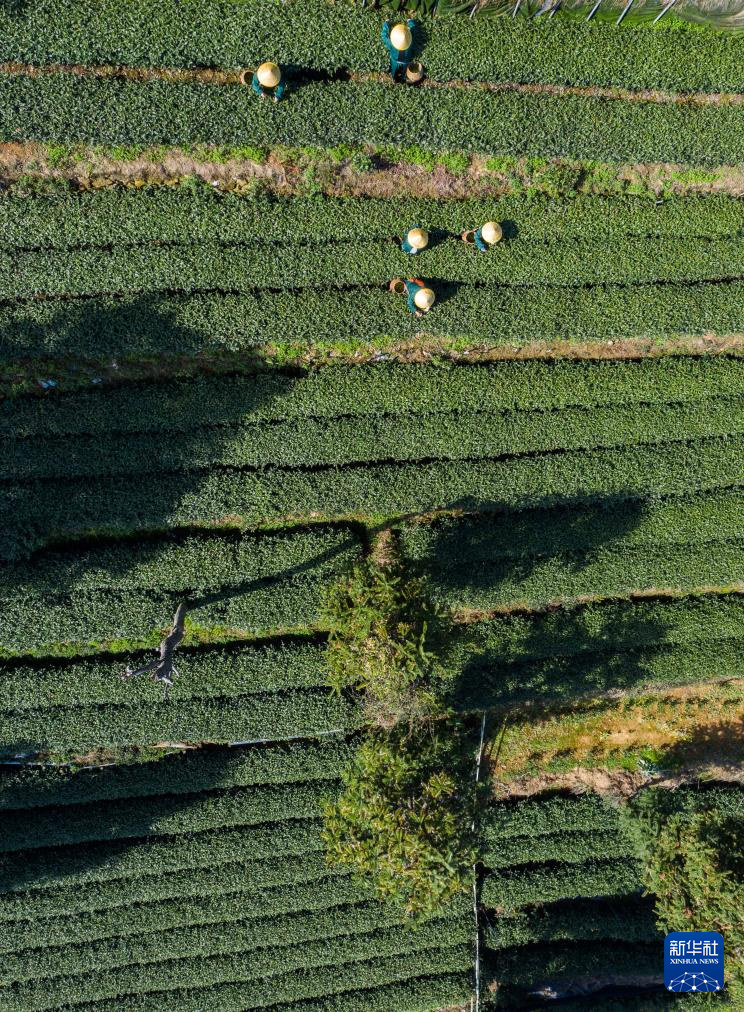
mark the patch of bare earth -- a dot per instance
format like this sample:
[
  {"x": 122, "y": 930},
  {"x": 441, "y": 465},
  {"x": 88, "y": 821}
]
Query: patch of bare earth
[
  {"x": 282, "y": 171},
  {"x": 613, "y": 783},
  {"x": 384, "y": 549},
  {"x": 617, "y": 784}
]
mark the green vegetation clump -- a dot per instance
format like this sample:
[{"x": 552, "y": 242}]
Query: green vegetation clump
[
  {"x": 694, "y": 866},
  {"x": 381, "y": 625},
  {"x": 404, "y": 817},
  {"x": 61, "y": 107},
  {"x": 313, "y": 35}
]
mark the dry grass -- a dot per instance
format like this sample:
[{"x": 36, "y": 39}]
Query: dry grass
[
  {"x": 381, "y": 173},
  {"x": 670, "y": 730}
]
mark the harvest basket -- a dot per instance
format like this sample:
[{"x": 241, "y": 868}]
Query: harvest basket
[{"x": 414, "y": 72}]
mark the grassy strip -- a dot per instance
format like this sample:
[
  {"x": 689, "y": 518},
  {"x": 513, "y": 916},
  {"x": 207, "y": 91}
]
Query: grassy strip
[
  {"x": 130, "y": 590},
  {"x": 568, "y": 848},
  {"x": 141, "y": 722},
  {"x": 38, "y": 510},
  {"x": 166, "y": 815},
  {"x": 630, "y": 920},
  {"x": 206, "y": 673},
  {"x": 155, "y": 214},
  {"x": 49, "y": 873},
  {"x": 206, "y": 401},
  {"x": 492, "y": 315},
  {"x": 348, "y": 988},
  {"x": 675, "y": 729},
  {"x": 255, "y": 936},
  {"x": 212, "y": 266},
  {"x": 543, "y": 816},
  {"x": 141, "y": 918},
  {"x": 568, "y": 961},
  {"x": 249, "y": 876},
  {"x": 341, "y": 441},
  {"x": 185, "y": 773},
  {"x": 546, "y": 883},
  {"x": 310, "y": 34}
]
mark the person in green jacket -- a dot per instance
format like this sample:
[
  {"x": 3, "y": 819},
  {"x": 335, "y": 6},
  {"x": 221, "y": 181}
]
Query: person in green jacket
[
  {"x": 420, "y": 298},
  {"x": 487, "y": 235},
  {"x": 415, "y": 240},
  {"x": 267, "y": 82},
  {"x": 399, "y": 44}
]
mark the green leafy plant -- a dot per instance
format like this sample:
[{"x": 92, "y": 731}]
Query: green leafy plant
[
  {"x": 361, "y": 162},
  {"x": 694, "y": 864},
  {"x": 64, "y": 108},
  {"x": 403, "y": 819},
  {"x": 381, "y": 626},
  {"x": 175, "y": 894},
  {"x": 454, "y": 162}
]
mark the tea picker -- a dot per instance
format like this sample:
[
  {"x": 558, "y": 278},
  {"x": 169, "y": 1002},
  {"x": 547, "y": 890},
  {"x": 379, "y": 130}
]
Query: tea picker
[
  {"x": 267, "y": 82},
  {"x": 399, "y": 44},
  {"x": 415, "y": 240},
  {"x": 420, "y": 298},
  {"x": 484, "y": 237}
]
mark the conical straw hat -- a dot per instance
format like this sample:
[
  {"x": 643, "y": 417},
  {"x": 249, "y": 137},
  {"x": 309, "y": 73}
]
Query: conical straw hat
[
  {"x": 401, "y": 37},
  {"x": 492, "y": 231},
  {"x": 424, "y": 298},
  {"x": 269, "y": 75}
]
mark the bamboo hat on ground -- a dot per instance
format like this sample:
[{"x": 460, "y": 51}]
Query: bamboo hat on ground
[
  {"x": 424, "y": 298},
  {"x": 492, "y": 231},
  {"x": 418, "y": 237},
  {"x": 269, "y": 75},
  {"x": 400, "y": 36}
]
